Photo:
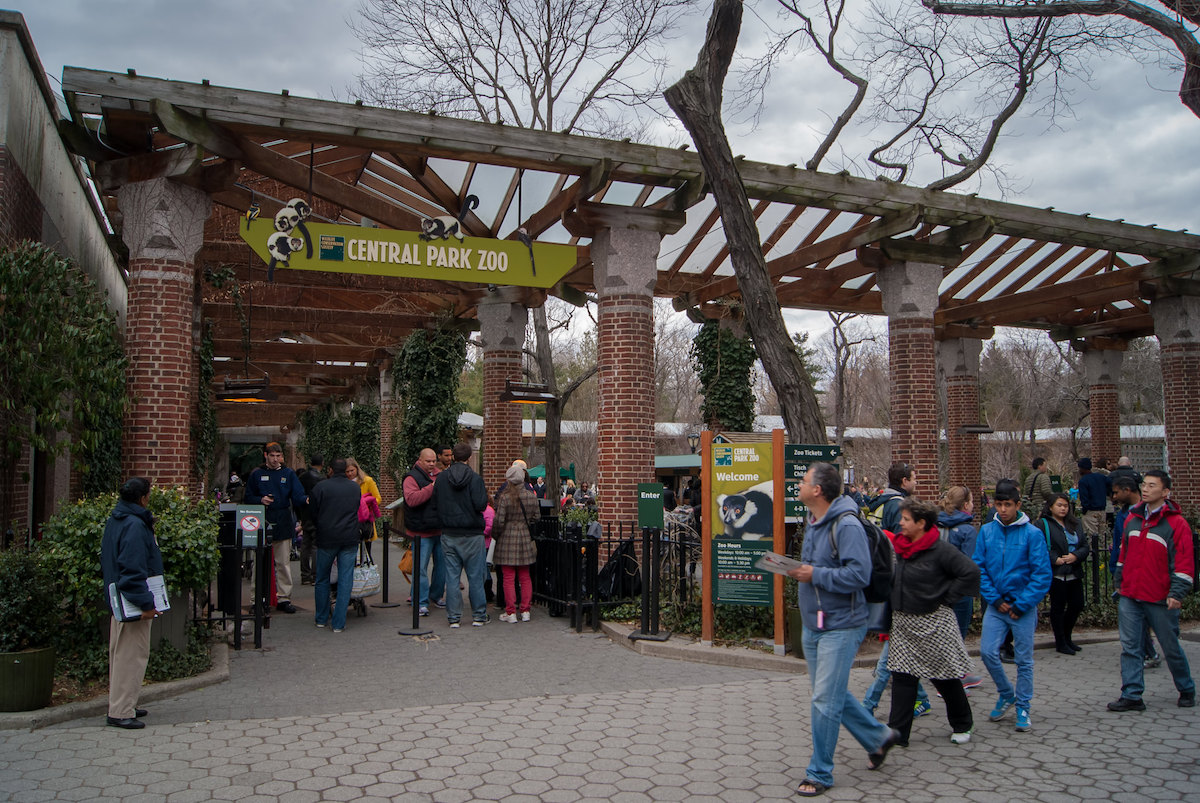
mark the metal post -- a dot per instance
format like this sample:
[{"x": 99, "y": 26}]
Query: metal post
[
  {"x": 651, "y": 561},
  {"x": 416, "y": 629},
  {"x": 655, "y": 579},
  {"x": 387, "y": 566}
]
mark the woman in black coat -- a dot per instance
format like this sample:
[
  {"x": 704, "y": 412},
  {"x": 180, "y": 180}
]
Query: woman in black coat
[{"x": 1068, "y": 550}]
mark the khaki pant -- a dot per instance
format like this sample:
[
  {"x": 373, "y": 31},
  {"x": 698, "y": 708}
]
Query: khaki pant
[
  {"x": 1094, "y": 522},
  {"x": 128, "y": 651},
  {"x": 282, "y": 551}
]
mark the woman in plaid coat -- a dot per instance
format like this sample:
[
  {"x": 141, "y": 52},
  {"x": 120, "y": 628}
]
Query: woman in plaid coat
[{"x": 515, "y": 550}]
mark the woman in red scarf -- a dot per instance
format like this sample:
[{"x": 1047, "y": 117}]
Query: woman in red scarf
[{"x": 931, "y": 575}]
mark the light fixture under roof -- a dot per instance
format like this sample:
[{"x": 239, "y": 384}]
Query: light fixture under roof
[
  {"x": 253, "y": 390},
  {"x": 526, "y": 393}
]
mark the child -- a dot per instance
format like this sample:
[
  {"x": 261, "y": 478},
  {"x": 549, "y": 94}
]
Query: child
[{"x": 1015, "y": 573}]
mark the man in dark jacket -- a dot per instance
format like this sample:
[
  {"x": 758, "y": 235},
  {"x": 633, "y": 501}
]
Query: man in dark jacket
[
  {"x": 133, "y": 569},
  {"x": 334, "y": 508},
  {"x": 460, "y": 498},
  {"x": 421, "y": 524},
  {"x": 1094, "y": 490},
  {"x": 308, "y": 544},
  {"x": 277, "y": 487}
]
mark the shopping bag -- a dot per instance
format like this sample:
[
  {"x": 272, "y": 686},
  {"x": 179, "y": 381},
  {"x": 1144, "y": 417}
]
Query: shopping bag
[{"x": 367, "y": 580}]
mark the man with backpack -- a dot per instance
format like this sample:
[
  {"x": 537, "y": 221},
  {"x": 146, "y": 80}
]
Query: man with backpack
[
  {"x": 836, "y": 568},
  {"x": 885, "y": 508}
]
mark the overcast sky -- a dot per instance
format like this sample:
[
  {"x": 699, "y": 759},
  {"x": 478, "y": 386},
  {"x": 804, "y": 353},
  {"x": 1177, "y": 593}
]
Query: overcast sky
[{"x": 1131, "y": 151}]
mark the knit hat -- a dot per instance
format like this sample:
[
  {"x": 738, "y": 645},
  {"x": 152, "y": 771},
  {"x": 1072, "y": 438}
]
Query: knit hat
[
  {"x": 515, "y": 475},
  {"x": 1085, "y": 464}
]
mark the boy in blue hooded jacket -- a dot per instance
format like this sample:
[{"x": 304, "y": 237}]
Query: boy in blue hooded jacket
[{"x": 1014, "y": 567}]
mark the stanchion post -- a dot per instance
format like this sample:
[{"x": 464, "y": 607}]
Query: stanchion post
[
  {"x": 416, "y": 629},
  {"x": 387, "y": 568}
]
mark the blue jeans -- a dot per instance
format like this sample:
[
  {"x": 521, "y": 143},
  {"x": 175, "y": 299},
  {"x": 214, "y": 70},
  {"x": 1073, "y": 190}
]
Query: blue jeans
[
  {"x": 345, "y": 566},
  {"x": 996, "y": 626},
  {"x": 882, "y": 676},
  {"x": 432, "y": 586},
  {"x": 830, "y": 654},
  {"x": 465, "y": 551},
  {"x": 1132, "y": 619},
  {"x": 963, "y": 609}
]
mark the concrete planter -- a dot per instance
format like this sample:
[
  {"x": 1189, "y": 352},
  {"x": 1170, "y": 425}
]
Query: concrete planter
[{"x": 26, "y": 679}]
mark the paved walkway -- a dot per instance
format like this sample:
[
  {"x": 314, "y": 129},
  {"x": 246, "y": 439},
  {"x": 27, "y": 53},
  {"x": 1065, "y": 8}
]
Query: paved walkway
[{"x": 536, "y": 712}]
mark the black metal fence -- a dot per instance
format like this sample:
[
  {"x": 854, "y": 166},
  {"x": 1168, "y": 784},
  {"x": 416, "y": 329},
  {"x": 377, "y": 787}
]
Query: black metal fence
[{"x": 581, "y": 571}]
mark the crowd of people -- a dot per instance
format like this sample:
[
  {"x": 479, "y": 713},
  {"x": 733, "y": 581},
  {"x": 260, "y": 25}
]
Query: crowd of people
[{"x": 941, "y": 563}]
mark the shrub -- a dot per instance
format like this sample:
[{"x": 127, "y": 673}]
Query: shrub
[
  {"x": 187, "y": 536},
  {"x": 28, "y": 614}
]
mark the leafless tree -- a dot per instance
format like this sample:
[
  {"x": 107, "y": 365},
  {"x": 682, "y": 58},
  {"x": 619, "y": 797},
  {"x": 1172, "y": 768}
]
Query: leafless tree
[
  {"x": 678, "y": 396},
  {"x": 697, "y": 100},
  {"x": 575, "y": 67},
  {"x": 849, "y": 331},
  {"x": 1176, "y": 20}
]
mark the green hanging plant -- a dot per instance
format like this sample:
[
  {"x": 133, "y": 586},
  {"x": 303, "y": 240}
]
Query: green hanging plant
[
  {"x": 723, "y": 362},
  {"x": 364, "y": 437},
  {"x": 62, "y": 369},
  {"x": 205, "y": 432},
  {"x": 426, "y": 373}
]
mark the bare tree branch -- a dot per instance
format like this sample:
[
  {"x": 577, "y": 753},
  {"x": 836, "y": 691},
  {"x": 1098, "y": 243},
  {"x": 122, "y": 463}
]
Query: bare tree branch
[{"x": 1172, "y": 27}]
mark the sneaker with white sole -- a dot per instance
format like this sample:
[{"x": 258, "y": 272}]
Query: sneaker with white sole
[
  {"x": 1023, "y": 723},
  {"x": 455, "y": 625},
  {"x": 921, "y": 708},
  {"x": 524, "y": 616},
  {"x": 511, "y": 618},
  {"x": 481, "y": 622},
  {"x": 1002, "y": 705},
  {"x": 961, "y": 738}
]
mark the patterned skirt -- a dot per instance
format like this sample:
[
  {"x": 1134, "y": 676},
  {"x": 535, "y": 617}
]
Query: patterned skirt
[{"x": 927, "y": 645}]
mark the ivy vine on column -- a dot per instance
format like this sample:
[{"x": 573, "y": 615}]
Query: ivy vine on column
[
  {"x": 723, "y": 361},
  {"x": 426, "y": 373}
]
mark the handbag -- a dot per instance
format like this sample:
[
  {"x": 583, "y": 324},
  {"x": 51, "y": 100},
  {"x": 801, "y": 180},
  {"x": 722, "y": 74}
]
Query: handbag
[
  {"x": 405, "y": 565},
  {"x": 367, "y": 581},
  {"x": 879, "y": 617}
]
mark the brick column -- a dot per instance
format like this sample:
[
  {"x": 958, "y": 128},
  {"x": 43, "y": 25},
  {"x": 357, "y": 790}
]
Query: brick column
[
  {"x": 625, "y": 244},
  {"x": 1103, "y": 367},
  {"x": 1177, "y": 326},
  {"x": 163, "y": 227},
  {"x": 502, "y": 323},
  {"x": 389, "y": 422},
  {"x": 910, "y": 296},
  {"x": 959, "y": 358}
]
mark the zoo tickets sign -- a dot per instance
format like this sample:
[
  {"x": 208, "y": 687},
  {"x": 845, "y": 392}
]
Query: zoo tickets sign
[
  {"x": 743, "y": 492},
  {"x": 439, "y": 252}
]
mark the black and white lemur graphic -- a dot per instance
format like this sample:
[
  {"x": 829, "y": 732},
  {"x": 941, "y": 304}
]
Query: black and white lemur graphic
[
  {"x": 284, "y": 242},
  {"x": 447, "y": 226},
  {"x": 748, "y": 515}
]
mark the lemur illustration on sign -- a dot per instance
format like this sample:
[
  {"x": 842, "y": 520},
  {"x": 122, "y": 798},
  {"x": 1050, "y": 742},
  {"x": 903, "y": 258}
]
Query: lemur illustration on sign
[
  {"x": 447, "y": 226},
  {"x": 284, "y": 242},
  {"x": 748, "y": 515}
]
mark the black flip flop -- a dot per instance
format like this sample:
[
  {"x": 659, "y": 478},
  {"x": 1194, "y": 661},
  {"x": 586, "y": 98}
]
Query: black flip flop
[
  {"x": 875, "y": 760},
  {"x": 818, "y": 788}
]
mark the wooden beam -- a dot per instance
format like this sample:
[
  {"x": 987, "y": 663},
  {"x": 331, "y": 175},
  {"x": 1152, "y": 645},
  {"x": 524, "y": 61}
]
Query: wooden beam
[
  {"x": 859, "y": 235},
  {"x": 953, "y": 330},
  {"x": 1140, "y": 325},
  {"x": 113, "y": 174},
  {"x": 300, "y": 352}
]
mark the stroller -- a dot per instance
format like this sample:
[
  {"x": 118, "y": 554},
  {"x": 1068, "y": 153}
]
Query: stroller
[{"x": 366, "y": 581}]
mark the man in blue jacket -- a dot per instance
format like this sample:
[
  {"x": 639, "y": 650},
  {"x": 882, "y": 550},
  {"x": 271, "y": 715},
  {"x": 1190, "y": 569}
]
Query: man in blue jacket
[
  {"x": 129, "y": 557},
  {"x": 277, "y": 487},
  {"x": 1094, "y": 490},
  {"x": 830, "y": 587},
  {"x": 1014, "y": 567},
  {"x": 460, "y": 497}
]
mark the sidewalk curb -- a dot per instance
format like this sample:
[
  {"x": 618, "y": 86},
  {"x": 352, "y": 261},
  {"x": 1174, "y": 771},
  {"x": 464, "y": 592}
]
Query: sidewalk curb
[{"x": 98, "y": 706}]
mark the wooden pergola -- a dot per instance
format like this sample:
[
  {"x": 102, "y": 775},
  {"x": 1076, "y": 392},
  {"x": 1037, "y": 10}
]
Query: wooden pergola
[{"x": 321, "y": 335}]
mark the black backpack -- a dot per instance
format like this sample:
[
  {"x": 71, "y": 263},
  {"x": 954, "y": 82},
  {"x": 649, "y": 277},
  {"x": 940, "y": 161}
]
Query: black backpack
[{"x": 883, "y": 558}]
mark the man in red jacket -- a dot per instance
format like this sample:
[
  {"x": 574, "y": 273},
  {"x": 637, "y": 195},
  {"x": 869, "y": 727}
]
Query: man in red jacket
[{"x": 1153, "y": 574}]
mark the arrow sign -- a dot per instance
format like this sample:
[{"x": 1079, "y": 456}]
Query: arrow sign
[{"x": 383, "y": 252}]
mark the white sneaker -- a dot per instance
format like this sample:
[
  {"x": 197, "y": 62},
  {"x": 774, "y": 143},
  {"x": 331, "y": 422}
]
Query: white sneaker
[
  {"x": 454, "y": 625},
  {"x": 511, "y": 618},
  {"x": 961, "y": 738},
  {"x": 524, "y": 616}
]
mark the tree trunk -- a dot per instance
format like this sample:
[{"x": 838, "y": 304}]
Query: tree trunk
[
  {"x": 552, "y": 444},
  {"x": 696, "y": 101}
]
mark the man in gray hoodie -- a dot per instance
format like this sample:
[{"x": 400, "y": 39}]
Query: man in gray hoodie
[
  {"x": 460, "y": 497},
  {"x": 830, "y": 587}
]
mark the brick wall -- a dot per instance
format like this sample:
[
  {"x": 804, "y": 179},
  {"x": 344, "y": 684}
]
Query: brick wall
[
  {"x": 502, "y": 420},
  {"x": 389, "y": 422},
  {"x": 962, "y": 407},
  {"x": 1181, "y": 387},
  {"x": 914, "y": 411},
  {"x": 21, "y": 212},
  {"x": 625, "y": 421},
  {"x": 1105, "y": 420},
  {"x": 157, "y": 441}
]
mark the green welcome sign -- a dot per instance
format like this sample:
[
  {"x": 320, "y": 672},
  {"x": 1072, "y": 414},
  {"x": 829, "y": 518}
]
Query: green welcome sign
[{"x": 408, "y": 254}]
